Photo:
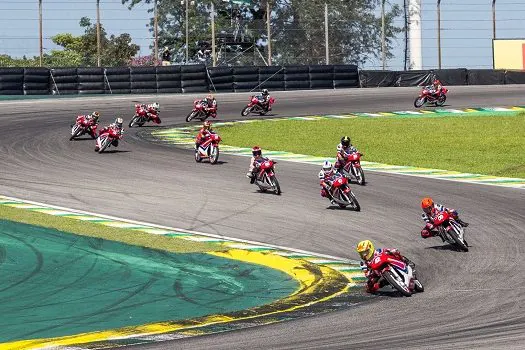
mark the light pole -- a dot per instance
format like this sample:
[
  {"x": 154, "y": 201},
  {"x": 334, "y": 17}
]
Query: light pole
[
  {"x": 187, "y": 31},
  {"x": 383, "y": 46},
  {"x": 268, "y": 12},
  {"x": 327, "y": 54},
  {"x": 493, "y": 19},
  {"x": 156, "y": 33},
  {"x": 214, "y": 60},
  {"x": 98, "y": 33},
  {"x": 40, "y": 30},
  {"x": 439, "y": 32}
]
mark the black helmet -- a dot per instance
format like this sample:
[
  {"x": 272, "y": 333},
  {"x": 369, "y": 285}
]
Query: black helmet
[
  {"x": 345, "y": 141},
  {"x": 265, "y": 92}
]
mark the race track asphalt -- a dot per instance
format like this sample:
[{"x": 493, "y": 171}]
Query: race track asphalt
[{"x": 472, "y": 300}]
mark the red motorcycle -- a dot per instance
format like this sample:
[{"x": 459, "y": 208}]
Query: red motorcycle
[
  {"x": 257, "y": 106},
  {"x": 82, "y": 127},
  {"x": 450, "y": 230},
  {"x": 142, "y": 115},
  {"x": 427, "y": 95},
  {"x": 108, "y": 137},
  {"x": 209, "y": 149},
  {"x": 199, "y": 112},
  {"x": 265, "y": 177},
  {"x": 353, "y": 167},
  {"x": 342, "y": 193},
  {"x": 397, "y": 273}
]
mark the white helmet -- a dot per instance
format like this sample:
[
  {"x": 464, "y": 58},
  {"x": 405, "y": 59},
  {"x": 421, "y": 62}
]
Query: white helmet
[{"x": 327, "y": 166}]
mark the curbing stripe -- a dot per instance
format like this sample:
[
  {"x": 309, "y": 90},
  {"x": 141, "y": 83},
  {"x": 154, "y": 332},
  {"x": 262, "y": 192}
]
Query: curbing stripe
[
  {"x": 319, "y": 282},
  {"x": 175, "y": 137}
]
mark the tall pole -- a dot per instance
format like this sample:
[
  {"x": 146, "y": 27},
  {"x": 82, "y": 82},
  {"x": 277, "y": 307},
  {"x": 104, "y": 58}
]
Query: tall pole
[
  {"x": 98, "y": 33},
  {"x": 214, "y": 59},
  {"x": 493, "y": 19},
  {"x": 268, "y": 12},
  {"x": 383, "y": 42},
  {"x": 414, "y": 32},
  {"x": 439, "y": 32},
  {"x": 40, "y": 30},
  {"x": 156, "y": 33},
  {"x": 327, "y": 54},
  {"x": 187, "y": 31}
]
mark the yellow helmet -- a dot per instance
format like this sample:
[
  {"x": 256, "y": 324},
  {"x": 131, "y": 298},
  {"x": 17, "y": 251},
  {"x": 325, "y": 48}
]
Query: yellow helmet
[{"x": 366, "y": 249}]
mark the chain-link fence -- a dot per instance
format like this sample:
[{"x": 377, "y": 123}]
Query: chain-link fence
[{"x": 300, "y": 32}]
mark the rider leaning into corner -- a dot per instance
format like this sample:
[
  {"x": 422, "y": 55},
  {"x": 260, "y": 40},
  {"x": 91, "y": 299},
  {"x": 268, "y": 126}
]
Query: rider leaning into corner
[
  {"x": 326, "y": 178},
  {"x": 367, "y": 252},
  {"x": 91, "y": 120},
  {"x": 204, "y": 132},
  {"x": 210, "y": 105},
  {"x": 117, "y": 127},
  {"x": 264, "y": 99},
  {"x": 431, "y": 210},
  {"x": 255, "y": 162}
]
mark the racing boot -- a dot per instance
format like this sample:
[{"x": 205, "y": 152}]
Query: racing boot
[{"x": 462, "y": 223}]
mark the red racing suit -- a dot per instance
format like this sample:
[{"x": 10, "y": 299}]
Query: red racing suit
[
  {"x": 373, "y": 284},
  {"x": 89, "y": 122},
  {"x": 201, "y": 136},
  {"x": 342, "y": 155},
  {"x": 430, "y": 230}
]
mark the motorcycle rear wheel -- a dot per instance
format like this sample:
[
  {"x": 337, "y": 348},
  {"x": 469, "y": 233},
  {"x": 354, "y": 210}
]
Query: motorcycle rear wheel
[
  {"x": 420, "y": 101},
  {"x": 401, "y": 288}
]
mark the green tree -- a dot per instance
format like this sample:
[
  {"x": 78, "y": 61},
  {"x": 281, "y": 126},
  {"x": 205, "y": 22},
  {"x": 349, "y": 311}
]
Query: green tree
[{"x": 297, "y": 27}]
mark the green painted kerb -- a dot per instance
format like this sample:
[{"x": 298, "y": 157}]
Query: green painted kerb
[{"x": 55, "y": 284}]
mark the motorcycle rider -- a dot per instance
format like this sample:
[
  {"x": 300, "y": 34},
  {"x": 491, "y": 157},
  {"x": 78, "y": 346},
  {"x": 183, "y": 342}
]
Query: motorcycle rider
[
  {"x": 430, "y": 210},
  {"x": 255, "y": 162},
  {"x": 326, "y": 177},
  {"x": 91, "y": 120},
  {"x": 435, "y": 88},
  {"x": 264, "y": 99},
  {"x": 210, "y": 105},
  {"x": 204, "y": 132},
  {"x": 367, "y": 252},
  {"x": 344, "y": 149},
  {"x": 153, "y": 110},
  {"x": 117, "y": 128}
]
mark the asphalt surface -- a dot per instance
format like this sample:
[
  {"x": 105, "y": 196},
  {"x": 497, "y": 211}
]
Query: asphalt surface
[{"x": 472, "y": 300}]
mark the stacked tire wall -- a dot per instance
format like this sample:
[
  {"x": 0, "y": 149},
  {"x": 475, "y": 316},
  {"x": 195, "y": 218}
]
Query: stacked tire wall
[{"x": 199, "y": 78}]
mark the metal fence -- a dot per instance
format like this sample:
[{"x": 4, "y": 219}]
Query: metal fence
[{"x": 454, "y": 34}]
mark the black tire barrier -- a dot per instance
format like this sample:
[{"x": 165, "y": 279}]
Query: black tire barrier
[
  {"x": 515, "y": 77},
  {"x": 452, "y": 76},
  {"x": 117, "y": 80},
  {"x": 143, "y": 80},
  {"x": 169, "y": 79},
  {"x": 245, "y": 78},
  {"x": 11, "y": 81},
  {"x": 321, "y": 77},
  {"x": 377, "y": 78},
  {"x": 64, "y": 81},
  {"x": 90, "y": 80},
  {"x": 271, "y": 78},
  {"x": 221, "y": 79},
  {"x": 486, "y": 77},
  {"x": 346, "y": 76},
  {"x": 194, "y": 78},
  {"x": 36, "y": 81},
  {"x": 414, "y": 78},
  {"x": 296, "y": 78}
]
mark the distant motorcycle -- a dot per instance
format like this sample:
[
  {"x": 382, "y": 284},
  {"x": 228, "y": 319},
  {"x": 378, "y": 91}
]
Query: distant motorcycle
[
  {"x": 428, "y": 96},
  {"x": 82, "y": 127},
  {"x": 265, "y": 177},
  {"x": 209, "y": 149},
  {"x": 108, "y": 137},
  {"x": 353, "y": 168},
  {"x": 199, "y": 112},
  {"x": 397, "y": 273},
  {"x": 342, "y": 194},
  {"x": 257, "y": 106},
  {"x": 141, "y": 116}
]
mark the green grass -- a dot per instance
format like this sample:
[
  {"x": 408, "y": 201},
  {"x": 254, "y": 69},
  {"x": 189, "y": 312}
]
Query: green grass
[
  {"x": 83, "y": 228},
  {"x": 492, "y": 145}
]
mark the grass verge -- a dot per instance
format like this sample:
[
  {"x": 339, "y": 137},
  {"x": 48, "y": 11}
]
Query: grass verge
[
  {"x": 128, "y": 236},
  {"x": 484, "y": 144}
]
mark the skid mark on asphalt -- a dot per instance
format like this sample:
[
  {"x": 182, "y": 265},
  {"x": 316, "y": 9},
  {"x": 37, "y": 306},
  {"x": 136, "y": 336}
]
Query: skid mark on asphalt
[
  {"x": 325, "y": 283},
  {"x": 185, "y": 137}
]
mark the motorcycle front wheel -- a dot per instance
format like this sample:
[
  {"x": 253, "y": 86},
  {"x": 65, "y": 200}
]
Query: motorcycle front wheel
[
  {"x": 246, "y": 110},
  {"x": 420, "y": 101},
  {"x": 355, "y": 203},
  {"x": 214, "y": 156},
  {"x": 76, "y": 133},
  {"x": 135, "y": 121},
  {"x": 461, "y": 244},
  {"x": 276, "y": 186},
  {"x": 191, "y": 116},
  {"x": 104, "y": 143},
  {"x": 399, "y": 286},
  {"x": 359, "y": 175}
]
